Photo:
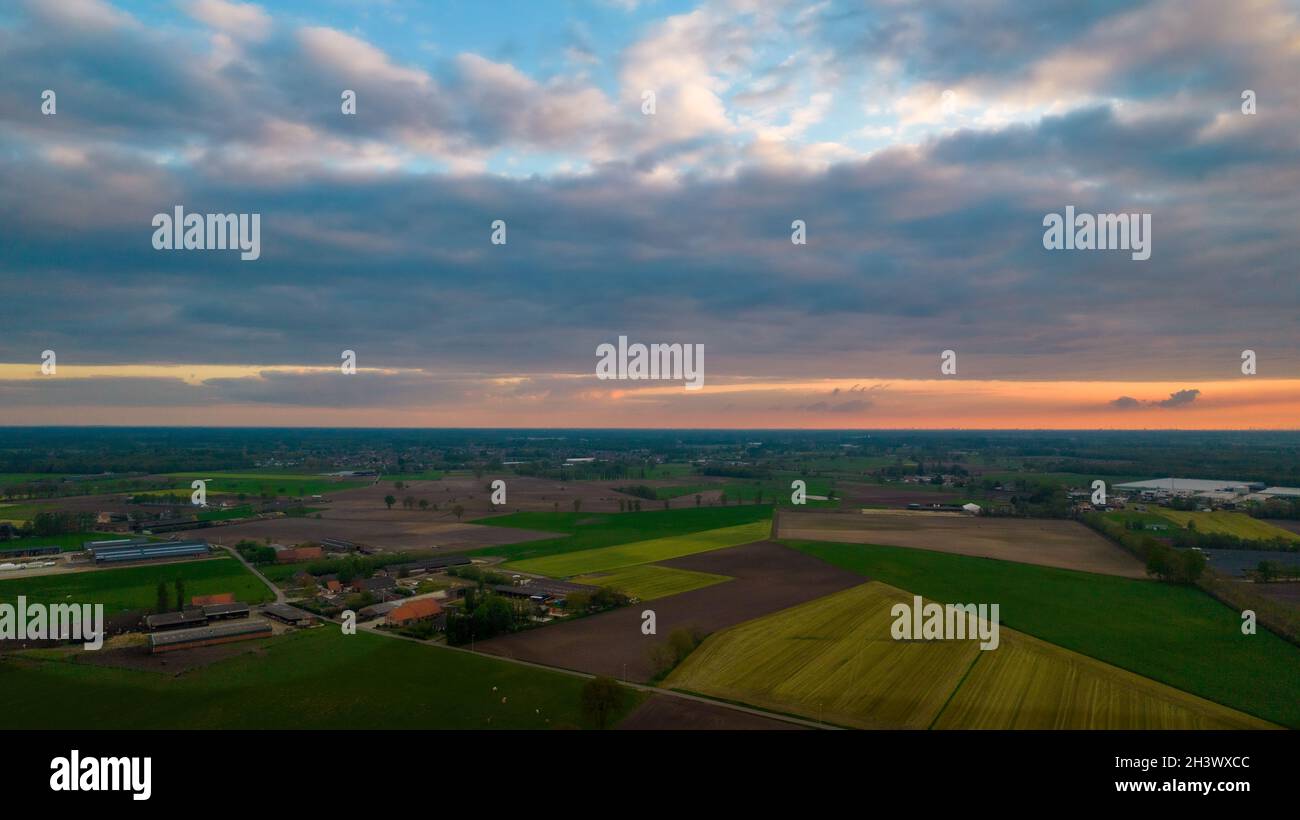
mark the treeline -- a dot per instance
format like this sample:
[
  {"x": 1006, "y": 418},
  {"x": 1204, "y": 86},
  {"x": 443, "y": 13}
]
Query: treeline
[{"x": 1180, "y": 566}]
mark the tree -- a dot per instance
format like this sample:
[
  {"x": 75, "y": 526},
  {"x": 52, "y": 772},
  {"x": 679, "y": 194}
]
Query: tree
[
  {"x": 666, "y": 505},
  {"x": 399, "y": 485},
  {"x": 409, "y": 502},
  {"x": 161, "y": 605},
  {"x": 758, "y": 496},
  {"x": 699, "y": 499},
  {"x": 723, "y": 498},
  {"x": 458, "y": 511},
  {"x": 390, "y": 501},
  {"x": 180, "y": 594},
  {"x": 602, "y": 697},
  {"x": 577, "y": 504},
  {"x": 621, "y": 505},
  {"x": 424, "y": 503}
]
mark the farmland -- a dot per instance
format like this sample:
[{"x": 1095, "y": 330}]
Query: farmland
[
  {"x": 583, "y": 531},
  {"x": 650, "y": 581},
  {"x": 833, "y": 659},
  {"x": 70, "y": 542},
  {"x": 1064, "y": 544},
  {"x": 133, "y": 589},
  {"x": 641, "y": 552},
  {"x": 1229, "y": 523},
  {"x": 766, "y": 577},
  {"x": 1176, "y": 635},
  {"x": 315, "y": 679},
  {"x": 1029, "y": 684},
  {"x": 830, "y": 659},
  {"x": 275, "y": 484}
]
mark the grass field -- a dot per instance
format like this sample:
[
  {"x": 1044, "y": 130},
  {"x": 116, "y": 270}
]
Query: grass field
[
  {"x": 67, "y": 543},
  {"x": 641, "y": 552},
  {"x": 132, "y": 589},
  {"x": 242, "y": 511},
  {"x": 313, "y": 679},
  {"x": 1229, "y": 523},
  {"x": 1177, "y": 635},
  {"x": 277, "y": 484},
  {"x": 648, "y": 581},
  {"x": 834, "y": 659},
  {"x": 585, "y": 531}
]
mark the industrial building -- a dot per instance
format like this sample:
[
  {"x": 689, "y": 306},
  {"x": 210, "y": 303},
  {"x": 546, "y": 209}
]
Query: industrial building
[
  {"x": 225, "y": 632},
  {"x": 139, "y": 549}
]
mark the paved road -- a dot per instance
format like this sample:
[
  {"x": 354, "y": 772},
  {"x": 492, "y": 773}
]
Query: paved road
[{"x": 279, "y": 593}]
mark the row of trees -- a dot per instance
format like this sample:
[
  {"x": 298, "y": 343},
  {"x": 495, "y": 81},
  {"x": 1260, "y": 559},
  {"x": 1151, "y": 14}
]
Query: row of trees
[{"x": 161, "y": 605}]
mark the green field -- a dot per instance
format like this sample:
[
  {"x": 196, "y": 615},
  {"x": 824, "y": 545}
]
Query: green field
[
  {"x": 67, "y": 543},
  {"x": 1177, "y": 635},
  {"x": 641, "y": 552},
  {"x": 648, "y": 581},
  {"x": 313, "y": 679},
  {"x": 834, "y": 659},
  {"x": 277, "y": 484},
  {"x": 585, "y": 531},
  {"x": 135, "y": 589},
  {"x": 242, "y": 511}
]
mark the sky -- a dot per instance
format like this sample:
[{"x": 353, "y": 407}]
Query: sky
[{"x": 920, "y": 146}]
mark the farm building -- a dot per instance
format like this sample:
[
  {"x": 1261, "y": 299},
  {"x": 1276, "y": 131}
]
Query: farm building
[
  {"x": 175, "y": 620},
  {"x": 140, "y": 550},
  {"x": 196, "y": 616},
  {"x": 377, "y": 585},
  {"x": 208, "y": 635},
  {"x": 290, "y": 556},
  {"x": 30, "y": 552},
  {"x": 369, "y": 613},
  {"x": 225, "y": 612},
  {"x": 428, "y": 565},
  {"x": 412, "y": 611},
  {"x": 288, "y": 614},
  {"x": 539, "y": 589},
  {"x": 339, "y": 545}
]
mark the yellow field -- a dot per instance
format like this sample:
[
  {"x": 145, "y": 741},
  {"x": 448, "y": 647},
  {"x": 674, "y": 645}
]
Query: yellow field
[
  {"x": 833, "y": 659},
  {"x": 1029, "y": 684},
  {"x": 648, "y": 581},
  {"x": 604, "y": 559},
  {"x": 1229, "y": 523}
]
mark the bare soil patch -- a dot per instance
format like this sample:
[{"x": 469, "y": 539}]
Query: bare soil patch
[
  {"x": 1046, "y": 542},
  {"x": 768, "y": 577}
]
